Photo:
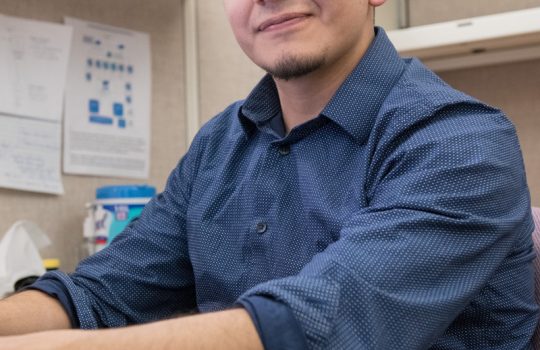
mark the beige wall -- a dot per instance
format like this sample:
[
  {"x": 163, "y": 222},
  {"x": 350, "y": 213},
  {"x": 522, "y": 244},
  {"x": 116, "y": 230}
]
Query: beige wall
[
  {"x": 387, "y": 16},
  {"x": 515, "y": 88},
  {"x": 225, "y": 73},
  {"x": 62, "y": 216},
  {"x": 432, "y": 11}
]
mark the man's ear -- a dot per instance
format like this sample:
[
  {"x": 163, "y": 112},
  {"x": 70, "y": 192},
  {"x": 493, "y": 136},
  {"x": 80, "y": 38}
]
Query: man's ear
[{"x": 376, "y": 3}]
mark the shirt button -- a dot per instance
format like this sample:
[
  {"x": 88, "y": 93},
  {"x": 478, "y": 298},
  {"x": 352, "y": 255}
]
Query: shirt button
[
  {"x": 261, "y": 227},
  {"x": 284, "y": 150}
]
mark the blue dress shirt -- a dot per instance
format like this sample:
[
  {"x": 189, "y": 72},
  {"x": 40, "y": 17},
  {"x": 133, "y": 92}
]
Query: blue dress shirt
[{"x": 398, "y": 218}]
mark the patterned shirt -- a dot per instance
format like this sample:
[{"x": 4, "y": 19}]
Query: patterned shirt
[{"x": 398, "y": 218}]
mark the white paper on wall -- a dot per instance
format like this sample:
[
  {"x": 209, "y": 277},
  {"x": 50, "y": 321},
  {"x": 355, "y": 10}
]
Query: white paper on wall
[
  {"x": 30, "y": 155},
  {"x": 33, "y": 67}
]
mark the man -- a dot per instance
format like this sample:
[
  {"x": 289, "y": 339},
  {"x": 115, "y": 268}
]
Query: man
[{"x": 352, "y": 201}]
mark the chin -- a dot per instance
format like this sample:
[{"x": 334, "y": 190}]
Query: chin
[{"x": 291, "y": 66}]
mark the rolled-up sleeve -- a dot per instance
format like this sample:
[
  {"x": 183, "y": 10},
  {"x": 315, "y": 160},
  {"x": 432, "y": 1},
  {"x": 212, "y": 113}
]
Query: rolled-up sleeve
[
  {"x": 447, "y": 202},
  {"x": 145, "y": 274}
]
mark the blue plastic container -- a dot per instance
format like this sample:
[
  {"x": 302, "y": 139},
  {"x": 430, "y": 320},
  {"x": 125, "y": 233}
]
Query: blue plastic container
[{"x": 114, "y": 208}]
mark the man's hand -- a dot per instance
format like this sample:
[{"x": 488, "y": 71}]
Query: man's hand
[{"x": 224, "y": 330}]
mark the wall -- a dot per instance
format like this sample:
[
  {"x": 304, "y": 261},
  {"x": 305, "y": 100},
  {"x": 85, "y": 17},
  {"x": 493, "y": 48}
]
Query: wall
[
  {"x": 388, "y": 16},
  {"x": 513, "y": 87},
  {"x": 225, "y": 73},
  {"x": 62, "y": 216},
  {"x": 432, "y": 11}
]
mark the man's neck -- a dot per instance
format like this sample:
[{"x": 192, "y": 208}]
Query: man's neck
[{"x": 305, "y": 97}]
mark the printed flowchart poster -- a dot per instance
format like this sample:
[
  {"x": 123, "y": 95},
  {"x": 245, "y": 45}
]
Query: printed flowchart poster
[{"x": 107, "y": 102}]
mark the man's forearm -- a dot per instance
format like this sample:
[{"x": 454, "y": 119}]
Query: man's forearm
[
  {"x": 31, "y": 311},
  {"x": 226, "y": 330},
  {"x": 232, "y": 329}
]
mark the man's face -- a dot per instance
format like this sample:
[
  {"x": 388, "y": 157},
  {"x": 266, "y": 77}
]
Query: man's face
[{"x": 291, "y": 38}]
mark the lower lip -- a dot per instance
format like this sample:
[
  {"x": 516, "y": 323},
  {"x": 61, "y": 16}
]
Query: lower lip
[{"x": 285, "y": 25}]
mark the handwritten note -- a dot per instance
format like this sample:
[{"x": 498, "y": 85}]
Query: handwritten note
[{"x": 29, "y": 155}]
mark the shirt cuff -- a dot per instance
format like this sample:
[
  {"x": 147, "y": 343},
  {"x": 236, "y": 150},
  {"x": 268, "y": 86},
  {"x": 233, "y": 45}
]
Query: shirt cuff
[
  {"x": 56, "y": 289},
  {"x": 275, "y": 323}
]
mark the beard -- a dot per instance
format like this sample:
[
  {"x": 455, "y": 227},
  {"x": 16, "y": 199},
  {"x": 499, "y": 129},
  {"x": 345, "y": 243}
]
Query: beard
[{"x": 290, "y": 67}]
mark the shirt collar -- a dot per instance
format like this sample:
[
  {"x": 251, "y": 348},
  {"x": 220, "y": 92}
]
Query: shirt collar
[
  {"x": 261, "y": 105},
  {"x": 355, "y": 104}
]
